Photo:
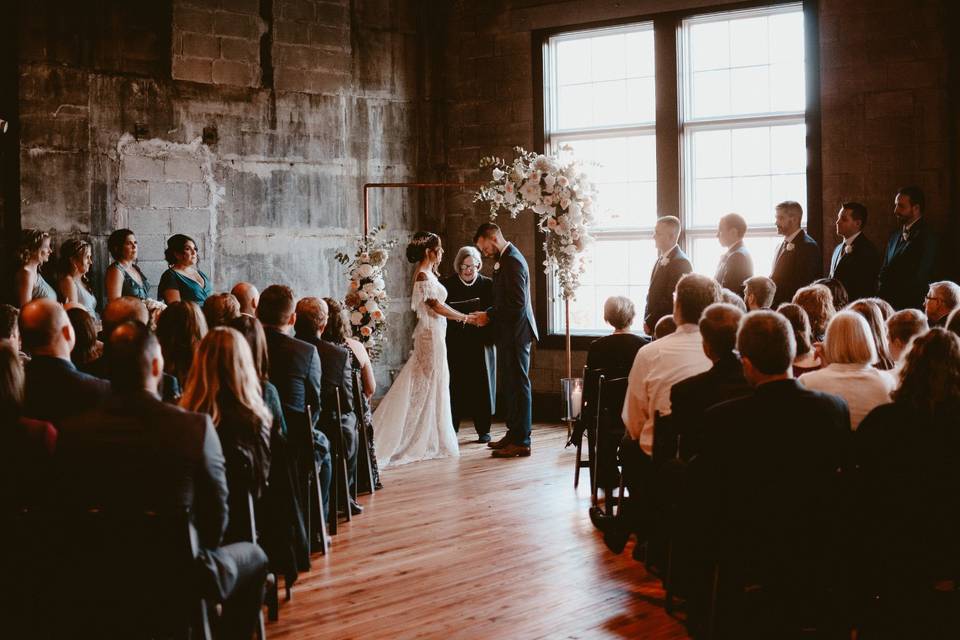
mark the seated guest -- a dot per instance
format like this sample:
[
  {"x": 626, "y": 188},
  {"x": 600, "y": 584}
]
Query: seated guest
[
  {"x": 908, "y": 454},
  {"x": 672, "y": 263},
  {"x": 87, "y": 348},
  {"x": 180, "y": 328},
  {"x": 758, "y": 293},
  {"x": 871, "y": 312},
  {"x": 33, "y": 252},
  {"x": 690, "y": 398},
  {"x": 74, "y": 264},
  {"x": 224, "y": 385},
  {"x": 10, "y": 329},
  {"x": 953, "y": 322},
  {"x": 885, "y": 308},
  {"x": 183, "y": 281},
  {"x": 768, "y": 474},
  {"x": 336, "y": 380},
  {"x": 838, "y": 292},
  {"x": 942, "y": 298},
  {"x": 850, "y": 354},
  {"x": 817, "y": 301},
  {"x": 735, "y": 265},
  {"x": 665, "y": 326},
  {"x": 54, "y": 387},
  {"x": 855, "y": 261},
  {"x": 251, "y": 329},
  {"x": 138, "y": 452},
  {"x": 247, "y": 296},
  {"x": 902, "y": 327},
  {"x": 124, "y": 277},
  {"x": 797, "y": 262},
  {"x": 220, "y": 308},
  {"x": 732, "y": 298},
  {"x": 806, "y": 358}
]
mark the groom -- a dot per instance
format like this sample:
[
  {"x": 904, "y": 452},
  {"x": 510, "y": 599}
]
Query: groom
[{"x": 516, "y": 329}]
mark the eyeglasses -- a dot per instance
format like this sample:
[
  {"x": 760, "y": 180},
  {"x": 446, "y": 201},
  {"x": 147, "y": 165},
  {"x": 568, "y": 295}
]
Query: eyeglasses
[
  {"x": 935, "y": 298},
  {"x": 467, "y": 267}
]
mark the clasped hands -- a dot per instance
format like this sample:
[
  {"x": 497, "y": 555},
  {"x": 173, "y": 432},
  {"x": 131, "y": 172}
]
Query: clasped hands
[{"x": 478, "y": 318}]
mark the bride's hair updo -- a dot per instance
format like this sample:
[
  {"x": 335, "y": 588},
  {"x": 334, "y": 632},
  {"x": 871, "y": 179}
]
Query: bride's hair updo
[{"x": 421, "y": 242}]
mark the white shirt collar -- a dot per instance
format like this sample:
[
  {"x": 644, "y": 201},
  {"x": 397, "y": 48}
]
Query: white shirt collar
[
  {"x": 505, "y": 247},
  {"x": 909, "y": 226},
  {"x": 849, "y": 241},
  {"x": 669, "y": 251},
  {"x": 791, "y": 237},
  {"x": 736, "y": 245},
  {"x": 687, "y": 327}
]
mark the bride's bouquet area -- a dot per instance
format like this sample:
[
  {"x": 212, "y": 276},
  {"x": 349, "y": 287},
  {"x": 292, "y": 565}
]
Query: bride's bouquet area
[
  {"x": 558, "y": 190},
  {"x": 366, "y": 298}
]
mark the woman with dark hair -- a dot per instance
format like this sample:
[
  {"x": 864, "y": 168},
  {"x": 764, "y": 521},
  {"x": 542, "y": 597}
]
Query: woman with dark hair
[
  {"x": 838, "y": 292},
  {"x": 124, "y": 277},
  {"x": 180, "y": 328},
  {"x": 87, "y": 349},
  {"x": 74, "y": 264},
  {"x": 806, "y": 359},
  {"x": 32, "y": 253},
  {"x": 251, "y": 329},
  {"x": 908, "y": 454},
  {"x": 874, "y": 315},
  {"x": 183, "y": 280}
]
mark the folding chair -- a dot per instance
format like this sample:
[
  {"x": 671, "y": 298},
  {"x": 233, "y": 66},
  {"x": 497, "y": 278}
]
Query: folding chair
[
  {"x": 313, "y": 492},
  {"x": 340, "y": 488},
  {"x": 611, "y": 392},
  {"x": 364, "y": 463}
]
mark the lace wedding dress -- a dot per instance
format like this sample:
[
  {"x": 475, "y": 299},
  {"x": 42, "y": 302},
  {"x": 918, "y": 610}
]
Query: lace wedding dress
[{"x": 414, "y": 421}]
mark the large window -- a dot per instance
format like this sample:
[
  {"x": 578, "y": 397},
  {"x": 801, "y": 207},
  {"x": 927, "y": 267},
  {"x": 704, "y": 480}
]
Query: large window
[{"x": 739, "y": 138}]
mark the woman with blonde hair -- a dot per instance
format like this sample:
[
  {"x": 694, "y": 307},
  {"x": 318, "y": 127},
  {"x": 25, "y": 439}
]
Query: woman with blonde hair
[
  {"x": 74, "y": 263},
  {"x": 873, "y": 314},
  {"x": 224, "y": 384},
  {"x": 850, "y": 354},
  {"x": 32, "y": 253}
]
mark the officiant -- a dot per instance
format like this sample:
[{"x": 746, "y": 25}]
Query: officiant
[{"x": 471, "y": 355}]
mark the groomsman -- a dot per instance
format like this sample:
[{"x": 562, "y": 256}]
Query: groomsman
[
  {"x": 736, "y": 265},
  {"x": 797, "y": 263},
  {"x": 671, "y": 264},
  {"x": 910, "y": 261},
  {"x": 856, "y": 261}
]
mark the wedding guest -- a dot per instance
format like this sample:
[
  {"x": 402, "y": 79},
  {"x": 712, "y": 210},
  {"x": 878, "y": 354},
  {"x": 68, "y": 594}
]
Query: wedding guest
[
  {"x": 942, "y": 298},
  {"x": 220, "y": 308},
  {"x": 183, "y": 281},
  {"x": 855, "y": 261},
  {"x": 10, "y": 329},
  {"x": 837, "y": 291},
  {"x": 885, "y": 308},
  {"x": 817, "y": 301},
  {"x": 124, "y": 277},
  {"x": 247, "y": 296},
  {"x": 797, "y": 262},
  {"x": 871, "y": 312},
  {"x": 87, "y": 349},
  {"x": 180, "y": 328},
  {"x": 32, "y": 253},
  {"x": 224, "y": 385},
  {"x": 736, "y": 265},
  {"x": 908, "y": 453},
  {"x": 902, "y": 327},
  {"x": 54, "y": 387},
  {"x": 759, "y": 292},
  {"x": 909, "y": 264},
  {"x": 471, "y": 355},
  {"x": 337, "y": 331},
  {"x": 665, "y": 326},
  {"x": 252, "y": 331},
  {"x": 671, "y": 264},
  {"x": 732, "y": 298},
  {"x": 953, "y": 322},
  {"x": 141, "y": 453},
  {"x": 850, "y": 353},
  {"x": 74, "y": 265},
  {"x": 806, "y": 358}
]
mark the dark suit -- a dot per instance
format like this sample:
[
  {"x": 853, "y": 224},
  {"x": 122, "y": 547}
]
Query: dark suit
[
  {"x": 136, "y": 451},
  {"x": 909, "y": 267},
  {"x": 795, "y": 268},
  {"x": 857, "y": 270},
  {"x": 295, "y": 372},
  {"x": 734, "y": 268},
  {"x": 55, "y": 389},
  {"x": 515, "y": 329},
  {"x": 663, "y": 281},
  {"x": 169, "y": 387}
]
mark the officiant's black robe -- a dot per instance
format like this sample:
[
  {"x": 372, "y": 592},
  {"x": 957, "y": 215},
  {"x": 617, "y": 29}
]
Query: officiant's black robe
[{"x": 471, "y": 355}]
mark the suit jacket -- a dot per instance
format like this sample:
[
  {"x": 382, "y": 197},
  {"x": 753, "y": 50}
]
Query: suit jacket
[
  {"x": 295, "y": 372},
  {"x": 796, "y": 268},
  {"x": 909, "y": 267},
  {"x": 337, "y": 371},
  {"x": 169, "y": 387},
  {"x": 735, "y": 266},
  {"x": 55, "y": 389},
  {"x": 663, "y": 280},
  {"x": 512, "y": 311},
  {"x": 857, "y": 270}
]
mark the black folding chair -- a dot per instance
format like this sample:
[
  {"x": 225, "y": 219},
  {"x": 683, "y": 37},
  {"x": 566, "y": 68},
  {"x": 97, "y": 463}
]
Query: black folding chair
[
  {"x": 365, "y": 483},
  {"x": 272, "y": 599},
  {"x": 611, "y": 392},
  {"x": 313, "y": 492},
  {"x": 582, "y": 427},
  {"x": 668, "y": 478},
  {"x": 340, "y": 487}
]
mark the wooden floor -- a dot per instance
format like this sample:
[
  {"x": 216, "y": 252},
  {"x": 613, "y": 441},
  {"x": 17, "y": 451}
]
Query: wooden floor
[{"x": 477, "y": 547}]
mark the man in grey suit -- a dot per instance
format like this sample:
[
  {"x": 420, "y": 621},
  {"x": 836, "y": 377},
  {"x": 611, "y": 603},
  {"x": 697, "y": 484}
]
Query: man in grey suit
[{"x": 736, "y": 265}]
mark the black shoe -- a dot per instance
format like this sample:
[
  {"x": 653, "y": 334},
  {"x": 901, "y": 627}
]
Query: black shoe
[
  {"x": 355, "y": 509},
  {"x": 378, "y": 486},
  {"x": 483, "y": 438},
  {"x": 616, "y": 540}
]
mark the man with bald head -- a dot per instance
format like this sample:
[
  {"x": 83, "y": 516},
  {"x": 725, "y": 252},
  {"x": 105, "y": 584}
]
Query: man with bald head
[
  {"x": 248, "y": 297},
  {"x": 54, "y": 386}
]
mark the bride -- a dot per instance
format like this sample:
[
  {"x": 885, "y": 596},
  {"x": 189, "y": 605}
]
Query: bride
[{"x": 414, "y": 421}]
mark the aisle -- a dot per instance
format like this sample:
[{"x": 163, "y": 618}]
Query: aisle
[{"x": 476, "y": 548}]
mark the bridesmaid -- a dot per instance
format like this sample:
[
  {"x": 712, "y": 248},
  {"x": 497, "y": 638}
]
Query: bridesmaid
[
  {"x": 183, "y": 281},
  {"x": 75, "y": 260},
  {"x": 34, "y": 251},
  {"x": 124, "y": 277}
]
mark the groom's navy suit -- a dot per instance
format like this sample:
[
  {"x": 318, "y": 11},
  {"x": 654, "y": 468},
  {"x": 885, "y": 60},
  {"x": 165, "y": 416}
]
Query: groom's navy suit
[{"x": 516, "y": 329}]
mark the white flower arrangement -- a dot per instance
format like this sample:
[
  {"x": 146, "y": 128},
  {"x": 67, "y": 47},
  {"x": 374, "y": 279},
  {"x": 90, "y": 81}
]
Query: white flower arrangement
[
  {"x": 366, "y": 299},
  {"x": 557, "y": 189}
]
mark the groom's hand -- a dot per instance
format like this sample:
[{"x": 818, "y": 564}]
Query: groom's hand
[{"x": 480, "y": 318}]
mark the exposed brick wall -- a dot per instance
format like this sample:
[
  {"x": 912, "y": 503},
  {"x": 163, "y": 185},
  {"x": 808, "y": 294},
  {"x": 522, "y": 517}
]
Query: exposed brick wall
[
  {"x": 311, "y": 45},
  {"x": 217, "y": 41}
]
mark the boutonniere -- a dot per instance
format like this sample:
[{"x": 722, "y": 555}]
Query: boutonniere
[
  {"x": 848, "y": 249},
  {"x": 906, "y": 235},
  {"x": 664, "y": 261},
  {"x": 496, "y": 266},
  {"x": 789, "y": 246}
]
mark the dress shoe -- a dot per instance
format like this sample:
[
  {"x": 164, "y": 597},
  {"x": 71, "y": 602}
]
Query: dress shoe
[
  {"x": 355, "y": 509},
  {"x": 501, "y": 443},
  {"x": 484, "y": 437},
  {"x": 512, "y": 451},
  {"x": 616, "y": 540}
]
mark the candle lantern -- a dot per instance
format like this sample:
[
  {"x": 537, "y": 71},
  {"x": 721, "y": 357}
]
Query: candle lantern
[{"x": 572, "y": 397}]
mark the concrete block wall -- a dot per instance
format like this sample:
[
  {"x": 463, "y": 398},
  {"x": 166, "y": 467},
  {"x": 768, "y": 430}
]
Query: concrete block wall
[{"x": 217, "y": 41}]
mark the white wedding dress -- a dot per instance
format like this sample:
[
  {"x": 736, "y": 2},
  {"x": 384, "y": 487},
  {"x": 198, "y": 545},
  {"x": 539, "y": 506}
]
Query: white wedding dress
[{"x": 414, "y": 420}]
